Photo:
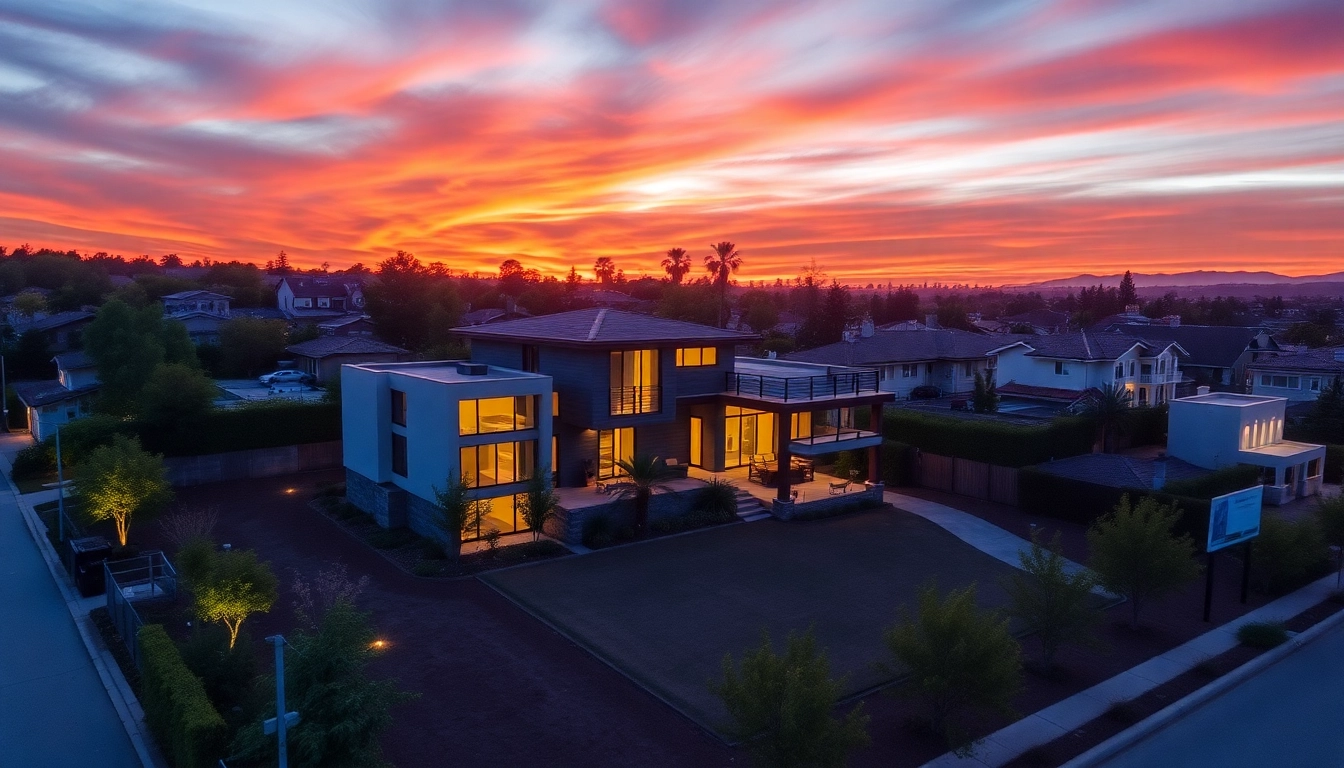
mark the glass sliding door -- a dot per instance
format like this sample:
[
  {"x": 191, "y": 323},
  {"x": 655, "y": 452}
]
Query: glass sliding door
[
  {"x": 746, "y": 433},
  {"x": 697, "y": 433},
  {"x": 613, "y": 446}
]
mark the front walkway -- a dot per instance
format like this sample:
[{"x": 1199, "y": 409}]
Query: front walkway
[{"x": 54, "y": 701}]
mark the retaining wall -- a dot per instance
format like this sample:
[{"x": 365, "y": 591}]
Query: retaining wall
[{"x": 260, "y": 462}]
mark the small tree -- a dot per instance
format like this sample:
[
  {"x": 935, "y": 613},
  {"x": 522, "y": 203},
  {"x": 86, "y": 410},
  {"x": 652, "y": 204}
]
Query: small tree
[
  {"x": 235, "y": 586},
  {"x": 1109, "y": 408},
  {"x": 781, "y": 706},
  {"x": 960, "y": 659},
  {"x": 539, "y": 504},
  {"x": 985, "y": 398},
  {"x": 644, "y": 474},
  {"x": 176, "y": 396},
  {"x": 120, "y": 480},
  {"x": 458, "y": 513},
  {"x": 1052, "y": 602},
  {"x": 1330, "y": 517},
  {"x": 1136, "y": 555}
]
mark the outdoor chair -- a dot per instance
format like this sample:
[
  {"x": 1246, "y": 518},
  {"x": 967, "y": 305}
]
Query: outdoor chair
[{"x": 839, "y": 487}]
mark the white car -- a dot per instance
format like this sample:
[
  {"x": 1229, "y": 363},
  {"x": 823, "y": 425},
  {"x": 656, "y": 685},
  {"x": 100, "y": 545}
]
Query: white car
[{"x": 288, "y": 376}]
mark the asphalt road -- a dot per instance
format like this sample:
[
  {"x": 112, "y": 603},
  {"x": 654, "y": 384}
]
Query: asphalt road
[{"x": 1292, "y": 714}]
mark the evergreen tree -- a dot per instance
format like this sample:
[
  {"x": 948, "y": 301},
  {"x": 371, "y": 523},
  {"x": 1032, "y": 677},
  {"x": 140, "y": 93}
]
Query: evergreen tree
[{"x": 1128, "y": 293}]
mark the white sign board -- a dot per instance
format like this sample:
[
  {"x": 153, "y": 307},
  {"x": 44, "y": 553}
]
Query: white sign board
[{"x": 1234, "y": 518}]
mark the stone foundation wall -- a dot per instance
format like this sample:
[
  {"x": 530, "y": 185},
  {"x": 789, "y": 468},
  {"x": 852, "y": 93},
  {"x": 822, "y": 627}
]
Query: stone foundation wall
[
  {"x": 567, "y": 525},
  {"x": 384, "y": 501},
  {"x": 787, "y": 510}
]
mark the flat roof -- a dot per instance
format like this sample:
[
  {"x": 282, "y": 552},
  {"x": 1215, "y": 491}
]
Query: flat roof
[
  {"x": 1228, "y": 398},
  {"x": 785, "y": 369},
  {"x": 1284, "y": 449},
  {"x": 446, "y": 372}
]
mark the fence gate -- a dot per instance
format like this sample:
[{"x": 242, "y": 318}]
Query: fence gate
[{"x": 137, "y": 578}]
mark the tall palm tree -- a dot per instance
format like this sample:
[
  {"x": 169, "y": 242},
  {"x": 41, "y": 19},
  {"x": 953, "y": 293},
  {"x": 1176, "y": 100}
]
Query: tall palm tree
[
  {"x": 724, "y": 261},
  {"x": 1109, "y": 407},
  {"x": 677, "y": 264},
  {"x": 604, "y": 269},
  {"x": 643, "y": 475}
]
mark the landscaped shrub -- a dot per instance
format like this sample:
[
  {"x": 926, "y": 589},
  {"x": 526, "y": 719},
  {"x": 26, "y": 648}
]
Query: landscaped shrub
[
  {"x": 851, "y": 461},
  {"x": 1216, "y": 483},
  {"x": 1286, "y": 555},
  {"x": 264, "y": 425},
  {"x": 1262, "y": 634},
  {"x": 1147, "y": 425},
  {"x": 898, "y": 463},
  {"x": 34, "y": 461},
  {"x": 182, "y": 718},
  {"x": 1334, "y": 464},
  {"x": 989, "y": 440},
  {"x": 718, "y": 500},
  {"x": 597, "y": 532}
]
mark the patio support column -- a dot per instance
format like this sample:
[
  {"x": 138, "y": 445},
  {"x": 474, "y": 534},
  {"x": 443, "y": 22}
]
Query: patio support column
[
  {"x": 875, "y": 452},
  {"x": 783, "y": 478}
]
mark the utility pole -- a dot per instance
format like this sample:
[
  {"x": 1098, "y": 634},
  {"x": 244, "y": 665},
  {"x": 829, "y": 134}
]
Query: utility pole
[
  {"x": 283, "y": 720},
  {"x": 4, "y": 394},
  {"x": 60, "y": 489}
]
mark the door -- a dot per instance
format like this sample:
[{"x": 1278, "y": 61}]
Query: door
[
  {"x": 697, "y": 428},
  {"x": 749, "y": 436}
]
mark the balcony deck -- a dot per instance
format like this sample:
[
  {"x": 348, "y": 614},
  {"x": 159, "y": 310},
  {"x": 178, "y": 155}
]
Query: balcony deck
[{"x": 787, "y": 382}]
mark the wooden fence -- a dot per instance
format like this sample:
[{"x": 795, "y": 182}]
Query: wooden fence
[{"x": 967, "y": 478}]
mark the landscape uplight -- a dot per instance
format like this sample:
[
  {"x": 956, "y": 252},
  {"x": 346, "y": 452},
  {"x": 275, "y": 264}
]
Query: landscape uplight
[{"x": 379, "y": 644}]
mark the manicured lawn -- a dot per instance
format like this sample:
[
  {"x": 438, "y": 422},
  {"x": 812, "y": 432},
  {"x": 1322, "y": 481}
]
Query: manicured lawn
[{"x": 666, "y": 612}]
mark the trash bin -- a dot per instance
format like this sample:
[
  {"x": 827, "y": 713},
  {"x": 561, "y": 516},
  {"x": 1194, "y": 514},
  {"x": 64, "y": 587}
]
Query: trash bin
[{"x": 86, "y": 564}]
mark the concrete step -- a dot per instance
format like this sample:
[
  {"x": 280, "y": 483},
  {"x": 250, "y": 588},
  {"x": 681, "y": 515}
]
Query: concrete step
[{"x": 754, "y": 518}]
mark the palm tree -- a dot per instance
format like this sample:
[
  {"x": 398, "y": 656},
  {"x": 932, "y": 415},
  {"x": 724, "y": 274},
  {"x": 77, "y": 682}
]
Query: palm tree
[
  {"x": 1109, "y": 407},
  {"x": 677, "y": 264},
  {"x": 604, "y": 269},
  {"x": 724, "y": 261},
  {"x": 644, "y": 474}
]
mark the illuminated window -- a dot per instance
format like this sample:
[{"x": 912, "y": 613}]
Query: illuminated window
[
  {"x": 555, "y": 403},
  {"x": 399, "y": 408},
  {"x": 800, "y": 425},
  {"x": 634, "y": 382},
  {"x": 499, "y": 463},
  {"x": 614, "y": 446},
  {"x": 496, "y": 414},
  {"x": 693, "y": 357},
  {"x": 399, "y": 454},
  {"x": 501, "y": 513}
]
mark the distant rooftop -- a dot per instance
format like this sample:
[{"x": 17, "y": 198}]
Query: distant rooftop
[
  {"x": 784, "y": 369},
  {"x": 1227, "y": 398},
  {"x": 447, "y": 372},
  {"x": 603, "y": 327}
]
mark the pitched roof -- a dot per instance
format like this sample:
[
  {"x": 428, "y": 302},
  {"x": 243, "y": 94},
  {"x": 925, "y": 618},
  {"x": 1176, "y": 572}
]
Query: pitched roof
[
  {"x": 602, "y": 327},
  {"x": 885, "y": 347},
  {"x": 1117, "y": 471},
  {"x": 1034, "y": 392},
  {"x": 70, "y": 360},
  {"x": 1045, "y": 318},
  {"x": 38, "y": 393},
  {"x": 51, "y": 322},
  {"x": 319, "y": 287},
  {"x": 1216, "y": 346},
  {"x": 491, "y": 314},
  {"x": 325, "y": 346},
  {"x": 1324, "y": 360},
  {"x": 183, "y": 295},
  {"x": 343, "y": 320},
  {"x": 1087, "y": 345}
]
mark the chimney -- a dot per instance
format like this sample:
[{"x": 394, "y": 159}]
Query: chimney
[
  {"x": 1160, "y": 471},
  {"x": 866, "y": 328}
]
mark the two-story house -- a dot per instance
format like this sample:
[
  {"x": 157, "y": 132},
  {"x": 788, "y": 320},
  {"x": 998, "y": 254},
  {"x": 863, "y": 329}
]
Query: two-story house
[
  {"x": 1297, "y": 376},
  {"x": 944, "y": 358},
  {"x": 202, "y": 312},
  {"x": 1060, "y": 366},
  {"x": 1219, "y": 354},
  {"x": 50, "y": 404},
  {"x": 319, "y": 298}
]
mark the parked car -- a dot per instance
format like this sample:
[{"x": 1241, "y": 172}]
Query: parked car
[
  {"x": 925, "y": 392},
  {"x": 287, "y": 376}
]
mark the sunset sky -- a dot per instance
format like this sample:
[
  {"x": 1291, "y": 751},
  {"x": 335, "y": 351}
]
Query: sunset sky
[{"x": 898, "y": 140}]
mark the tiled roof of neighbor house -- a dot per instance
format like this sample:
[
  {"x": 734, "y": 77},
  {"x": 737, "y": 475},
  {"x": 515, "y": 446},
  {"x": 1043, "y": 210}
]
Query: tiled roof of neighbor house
[
  {"x": 1042, "y": 393},
  {"x": 492, "y": 314},
  {"x": 70, "y": 360},
  {"x": 342, "y": 321},
  {"x": 1324, "y": 360},
  {"x": 602, "y": 327},
  {"x": 1216, "y": 346},
  {"x": 52, "y": 322},
  {"x": 1045, "y": 318},
  {"x": 320, "y": 287},
  {"x": 885, "y": 347},
  {"x": 1087, "y": 345},
  {"x": 325, "y": 346},
  {"x": 35, "y": 394},
  {"x": 1118, "y": 471},
  {"x": 183, "y": 295}
]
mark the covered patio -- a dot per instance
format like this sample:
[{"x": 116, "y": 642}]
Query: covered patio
[
  {"x": 590, "y": 496},
  {"x": 821, "y": 488}
]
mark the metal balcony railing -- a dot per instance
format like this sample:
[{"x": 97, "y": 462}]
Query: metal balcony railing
[
  {"x": 627, "y": 401},
  {"x": 802, "y": 388},
  {"x": 822, "y": 434}
]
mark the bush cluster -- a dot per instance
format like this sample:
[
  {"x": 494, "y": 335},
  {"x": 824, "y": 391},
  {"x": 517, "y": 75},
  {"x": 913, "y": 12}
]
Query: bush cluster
[
  {"x": 1287, "y": 554},
  {"x": 1078, "y": 501},
  {"x": 176, "y": 707},
  {"x": 1262, "y": 634},
  {"x": 898, "y": 463},
  {"x": 1216, "y": 483},
  {"x": 990, "y": 441}
]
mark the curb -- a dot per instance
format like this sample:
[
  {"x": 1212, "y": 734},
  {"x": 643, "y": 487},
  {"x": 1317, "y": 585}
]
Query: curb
[{"x": 1177, "y": 710}]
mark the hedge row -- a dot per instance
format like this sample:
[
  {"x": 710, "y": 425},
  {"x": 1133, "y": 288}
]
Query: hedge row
[
  {"x": 247, "y": 428},
  {"x": 898, "y": 463},
  {"x": 187, "y": 727},
  {"x": 990, "y": 441},
  {"x": 1082, "y": 502},
  {"x": 1216, "y": 483},
  {"x": 1334, "y": 463}
]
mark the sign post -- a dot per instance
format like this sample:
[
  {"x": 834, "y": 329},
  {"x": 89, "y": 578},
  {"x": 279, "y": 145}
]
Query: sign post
[{"x": 1234, "y": 518}]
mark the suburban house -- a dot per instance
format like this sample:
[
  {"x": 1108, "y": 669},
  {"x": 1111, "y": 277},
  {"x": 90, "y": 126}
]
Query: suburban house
[
  {"x": 62, "y": 329},
  {"x": 1059, "y": 367},
  {"x": 1041, "y": 321},
  {"x": 1218, "y": 354},
  {"x": 938, "y": 357},
  {"x": 1222, "y": 429},
  {"x": 202, "y": 312},
  {"x": 1297, "y": 376},
  {"x": 319, "y": 298},
  {"x": 493, "y": 314},
  {"x": 348, "y": 325},
  {"x": 323, "y": 357},
  {"x": 70, "y": 396},
  {"x": 581, "y": 391}
]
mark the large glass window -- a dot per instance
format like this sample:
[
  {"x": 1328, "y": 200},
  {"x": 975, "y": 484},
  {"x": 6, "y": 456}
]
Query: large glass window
[
  {"x": 399, "y": 408},
  {"x": 499, "y": 463},
  {"x": 635, "y": 382},
  {"x": 399, "y": 454},
  {"x": 613, "y": 446},
  {"x": 746, "y": 433},
  {"x": 500, "y": 513},
  {"x": 692, "y": 357},
  {"x": 496, "y": 414}
]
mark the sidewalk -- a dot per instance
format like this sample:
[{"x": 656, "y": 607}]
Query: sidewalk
[{"x": 60, "y": 703}]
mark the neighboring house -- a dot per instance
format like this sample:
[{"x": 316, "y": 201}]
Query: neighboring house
[
  {"x": 603, "y": 297},
  {"x": 493, "y": 315},
  {"x": 1297, "y": 376},
  {"x": 62, "y": 329},
  {"x": 1223, "y": 429},
  {"x": 581, "y": 391},
  {"x": 193, "y": 302},
  {"x": 1219, "y": 354},
  {"x": 70, "y": 396},
  {"x": 348, "y": 325},
  {"x": 1044, "y": 366},
  {"x": 944, "y": 358},
  {"x": 319, "y": 298},
  {"x": 323, "y": 357},
  {"x": 1041, "y": 321}
]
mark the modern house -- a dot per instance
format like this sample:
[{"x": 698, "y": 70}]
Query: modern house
[
  {"x": 70, "y": 396},
  {"x": 612, "y": 385},
  {"x": 1219, "y": 354},
  {"x": 1297, "y": 376},
  {"x": 202, "y": 312},
  {"x": 1062, "y": 366},
  {"x": 1222, "y": 429},
  {"x": 939, "y": 357},
  {"x": 319, "y": 298},
  {"x": 323, "y": 357}
]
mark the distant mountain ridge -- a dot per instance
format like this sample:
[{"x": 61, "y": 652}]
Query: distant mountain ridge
[{"x": 1187, "y": 279}]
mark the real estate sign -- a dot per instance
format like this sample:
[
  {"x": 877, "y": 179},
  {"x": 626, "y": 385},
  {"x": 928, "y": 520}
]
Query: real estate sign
[{"x": 1234, "y": 518}]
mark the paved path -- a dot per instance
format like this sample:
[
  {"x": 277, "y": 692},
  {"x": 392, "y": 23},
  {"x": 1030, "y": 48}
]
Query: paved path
[
  {"x": 54, "y": 709},
  {"x": 1290, "y": 714}
]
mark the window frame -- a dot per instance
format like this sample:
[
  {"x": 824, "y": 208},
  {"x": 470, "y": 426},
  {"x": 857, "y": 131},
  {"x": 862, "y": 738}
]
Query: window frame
[
  {"x": 398, "y": 398},
  {"x": 697, "y": 357},
  {"x": 400, "y": 456},
  {"x": 524, "y": 462},
  {"x": 524, "y": 418}
]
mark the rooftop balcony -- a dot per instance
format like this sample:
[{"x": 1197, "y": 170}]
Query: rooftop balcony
[{"x": 786, "y": 381}]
